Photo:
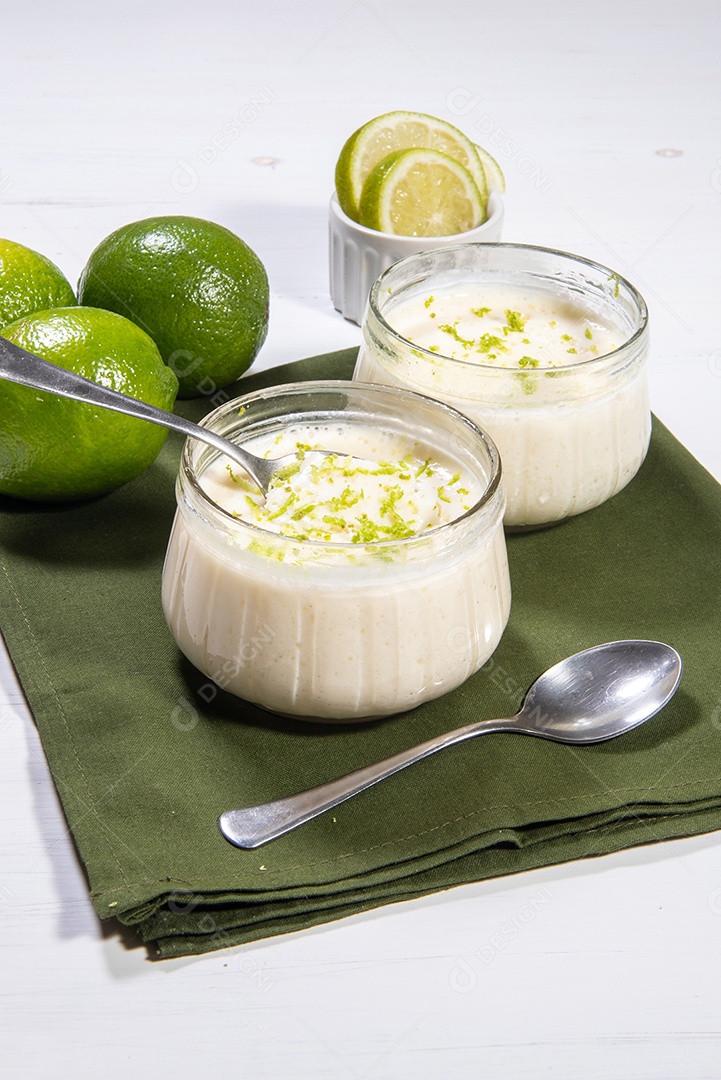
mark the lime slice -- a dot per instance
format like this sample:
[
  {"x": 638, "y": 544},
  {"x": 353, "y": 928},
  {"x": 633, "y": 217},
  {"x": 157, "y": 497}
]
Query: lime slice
[
  {"x": 421, "y": 193},
  {"x": 393, "y": 131},
  {"x": 494, "y": 172}
]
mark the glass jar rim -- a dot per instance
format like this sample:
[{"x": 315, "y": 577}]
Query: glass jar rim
[
  {"x": 188, "y": 471},
  {"x": 381, "y": 285}
]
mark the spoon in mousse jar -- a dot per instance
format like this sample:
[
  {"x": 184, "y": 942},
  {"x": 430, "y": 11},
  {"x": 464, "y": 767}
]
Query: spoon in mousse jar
[{"x": 19, "y": 366}]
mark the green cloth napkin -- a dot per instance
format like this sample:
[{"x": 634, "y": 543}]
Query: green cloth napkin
[{"x": 144, "y": 764}]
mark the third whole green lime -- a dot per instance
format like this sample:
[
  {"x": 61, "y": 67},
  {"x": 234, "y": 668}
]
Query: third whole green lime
[
  {"x": 195, "y": 287},
  {"x": 29, "y": 282}
]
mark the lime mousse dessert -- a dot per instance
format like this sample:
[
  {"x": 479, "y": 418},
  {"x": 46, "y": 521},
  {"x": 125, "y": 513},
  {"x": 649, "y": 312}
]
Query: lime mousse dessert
[
  {"x": 543, "y": 350},
  {"x": 367, "y": 581}
]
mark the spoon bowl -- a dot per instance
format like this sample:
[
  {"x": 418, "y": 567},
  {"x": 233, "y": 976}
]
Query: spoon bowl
[
  {"x": 589, "y": 697},
  {"x": 601, "y": 692}
]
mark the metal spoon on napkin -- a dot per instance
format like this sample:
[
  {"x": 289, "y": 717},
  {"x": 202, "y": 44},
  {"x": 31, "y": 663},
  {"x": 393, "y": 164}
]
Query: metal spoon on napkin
[{"x": 591, "y": 696}]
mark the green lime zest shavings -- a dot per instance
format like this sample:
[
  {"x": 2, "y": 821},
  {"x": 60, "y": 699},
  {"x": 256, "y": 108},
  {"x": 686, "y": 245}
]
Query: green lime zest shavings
[
  {"x": 301, "y": 512},
  {"x": 588, "y": 334},
  {"x": 480, "y": 311},
  {"x": 389, "y": 503},
  {"x": 448, "y": 329},
  {"x": 367, "y": 531},
  {"x": 284, "y": 507},
  {"x": 373, "y": 500},
  {"x": 515, "y": 323},
  {"x": 428, "y": 301},
  {"x": 242, "y": 481},
  {"x": 284, "y": 474},
  {"x": 527, "y": 379},
  {"x": 337, "y": 522},
  {"x": 486, "y": 342},
  {"x": 345, "y": 500}
]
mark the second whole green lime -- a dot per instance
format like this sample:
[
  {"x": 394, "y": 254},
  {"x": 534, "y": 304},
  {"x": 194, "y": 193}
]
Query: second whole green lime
[{"x": 196, "y": 288}]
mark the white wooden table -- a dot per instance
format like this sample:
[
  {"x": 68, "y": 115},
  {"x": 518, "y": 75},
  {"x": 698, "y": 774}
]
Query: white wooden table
[{"x": 605, "y": 119}]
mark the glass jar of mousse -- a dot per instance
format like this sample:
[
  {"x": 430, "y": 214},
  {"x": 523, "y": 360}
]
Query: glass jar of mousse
[
  {"x": 546, "y": 351},
  {"x": 369, "y": 621}
]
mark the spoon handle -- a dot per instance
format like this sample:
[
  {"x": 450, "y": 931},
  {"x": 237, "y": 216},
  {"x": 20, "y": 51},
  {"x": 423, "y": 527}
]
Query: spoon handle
[
  {"x": 251, "y": 826},
  {"x": 22, "y": 367}
]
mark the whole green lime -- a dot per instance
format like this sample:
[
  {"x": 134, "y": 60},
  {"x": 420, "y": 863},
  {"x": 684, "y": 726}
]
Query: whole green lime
[
  {"x": 29, "y": 282},
  {"x": 194, "y": 286},
  {"x": 52, "y": 448}
]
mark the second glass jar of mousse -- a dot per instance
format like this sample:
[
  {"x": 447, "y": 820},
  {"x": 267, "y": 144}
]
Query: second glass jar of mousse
[{"x": 543, "y": 349}]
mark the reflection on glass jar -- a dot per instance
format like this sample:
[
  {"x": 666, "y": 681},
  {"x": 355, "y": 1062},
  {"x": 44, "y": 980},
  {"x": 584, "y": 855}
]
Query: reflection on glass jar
[
  {"x": 544, "y": 350},
  {"x": 404, "y": 596}
]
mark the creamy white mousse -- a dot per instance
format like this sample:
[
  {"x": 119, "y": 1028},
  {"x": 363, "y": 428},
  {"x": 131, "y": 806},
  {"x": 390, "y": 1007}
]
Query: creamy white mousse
[
  {"x": 538, "y": 371},
  {"x": 504, "y": 327},
  {"x": 381, "y": 489},
  {"x": 362, "y": 586}
]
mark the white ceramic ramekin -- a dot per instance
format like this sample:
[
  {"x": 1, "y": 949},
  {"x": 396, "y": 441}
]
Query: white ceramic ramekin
[{"x": 359, "y": 255}]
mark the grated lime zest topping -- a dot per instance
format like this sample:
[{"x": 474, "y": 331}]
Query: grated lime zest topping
[
  {"x": 284, "y": 474},
  {"x": 515, "y": 322},
  {"x": 301, "y": 512},
  {"x": 373, "y": 500},
  {"x": 486, "y": 342},
  {"x": 242, "y": 481},
  {"x": 448, "y": 329},
  {"x": 285, "y": 507}
]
